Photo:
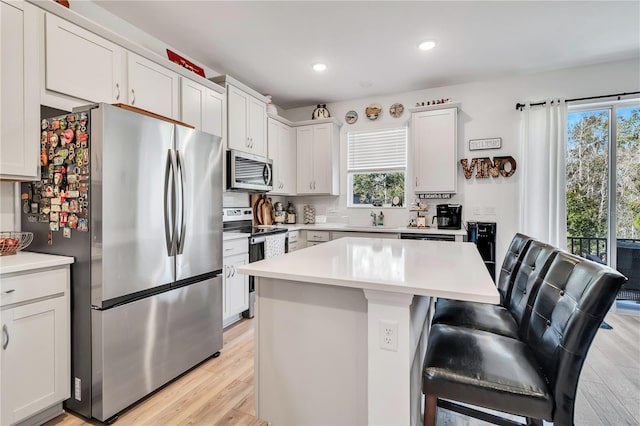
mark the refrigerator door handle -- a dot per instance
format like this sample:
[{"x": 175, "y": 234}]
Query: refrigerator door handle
[
  {"x": 169, "y": 216},
  {"x": 183, "y": 226}
]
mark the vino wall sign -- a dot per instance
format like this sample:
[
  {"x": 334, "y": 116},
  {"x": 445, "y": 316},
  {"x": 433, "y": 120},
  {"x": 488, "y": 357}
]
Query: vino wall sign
[{"x": 485, "y": 167}]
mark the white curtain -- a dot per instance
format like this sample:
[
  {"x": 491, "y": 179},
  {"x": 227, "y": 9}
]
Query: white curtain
[{"x": 543, "y": 206}]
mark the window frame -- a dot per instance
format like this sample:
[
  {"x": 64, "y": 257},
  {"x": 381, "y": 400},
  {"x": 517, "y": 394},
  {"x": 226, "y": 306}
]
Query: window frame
[{"x": 351, "y": 172}]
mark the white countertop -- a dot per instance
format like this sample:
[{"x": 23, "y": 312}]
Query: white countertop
[
  {"x": 26, "y": 261},
  {"x": 451, "y": 270},
  {"x": 364, "y": 228}
]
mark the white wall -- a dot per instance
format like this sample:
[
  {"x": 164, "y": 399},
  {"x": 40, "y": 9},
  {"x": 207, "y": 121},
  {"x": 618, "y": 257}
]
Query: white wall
[
  {"x": 7, "y": 206},
  {"x": 487, "y": 110}
]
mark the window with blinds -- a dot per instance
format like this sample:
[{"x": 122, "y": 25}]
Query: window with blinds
[{"x": 376, "y": 167}]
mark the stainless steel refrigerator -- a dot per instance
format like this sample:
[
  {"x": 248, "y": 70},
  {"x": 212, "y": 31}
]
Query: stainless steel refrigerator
[{"x": 138, "y": 202}]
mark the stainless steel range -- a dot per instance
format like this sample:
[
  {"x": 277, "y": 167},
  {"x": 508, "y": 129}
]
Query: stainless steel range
[{"x": 240, "y": 219}]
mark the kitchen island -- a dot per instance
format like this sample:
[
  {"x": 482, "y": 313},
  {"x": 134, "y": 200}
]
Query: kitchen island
[{"x": 341, "y": 327}]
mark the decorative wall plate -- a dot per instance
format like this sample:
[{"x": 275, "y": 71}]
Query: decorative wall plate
[
  {"x": 351, "y": 117},
  {"x": 396, "y": 110},
  {"x": 373, "y": 111}
]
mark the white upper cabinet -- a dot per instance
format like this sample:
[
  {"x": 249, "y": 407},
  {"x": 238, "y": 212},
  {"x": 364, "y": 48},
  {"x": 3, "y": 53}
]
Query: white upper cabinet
[
  {"x": 153, "y": 87},
  {"x": 282, "y": 150},
  {"x": 318, "y": 158},
  {"x": 213, "y": 112},
  {"x": 81, "y": 64},
  {"x": 246, "y": 122},
  {"x": 19, "y": 92},
  {"x": 201, "y": 107},
  {"x": 435, "y": 146}
]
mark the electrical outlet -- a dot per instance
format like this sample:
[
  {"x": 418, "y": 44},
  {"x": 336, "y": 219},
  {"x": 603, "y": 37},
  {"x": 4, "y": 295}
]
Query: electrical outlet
[
  {"x": 388, "y": 335},
  {"x": 77, "y": 394}
]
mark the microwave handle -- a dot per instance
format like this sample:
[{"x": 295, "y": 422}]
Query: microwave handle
[{"x": 268, "y": 169}]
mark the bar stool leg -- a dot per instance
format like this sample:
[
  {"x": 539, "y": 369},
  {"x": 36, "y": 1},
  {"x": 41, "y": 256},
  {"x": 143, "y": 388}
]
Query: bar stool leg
[{"x": 430, "y": 408}]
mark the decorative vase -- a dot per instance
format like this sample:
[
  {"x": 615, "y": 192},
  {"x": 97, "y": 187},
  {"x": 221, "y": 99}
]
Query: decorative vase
[
  {"x": 309, "y": 214},
  {"x": 271, "y": 108},
  {"x": 321, "y": 111}
]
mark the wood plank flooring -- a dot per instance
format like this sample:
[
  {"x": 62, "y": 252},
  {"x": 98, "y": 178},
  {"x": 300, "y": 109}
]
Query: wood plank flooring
[{"x": 220, "y": 391}]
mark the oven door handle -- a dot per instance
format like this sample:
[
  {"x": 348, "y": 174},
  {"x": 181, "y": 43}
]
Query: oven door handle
[{"x": 257, "y": 240}]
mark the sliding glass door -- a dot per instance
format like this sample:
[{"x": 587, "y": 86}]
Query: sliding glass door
[{"x": 603, "y": 187}]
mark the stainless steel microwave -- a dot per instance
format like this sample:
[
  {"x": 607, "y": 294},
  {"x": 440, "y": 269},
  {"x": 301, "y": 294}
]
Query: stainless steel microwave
[{"x": 249, "y": 172}]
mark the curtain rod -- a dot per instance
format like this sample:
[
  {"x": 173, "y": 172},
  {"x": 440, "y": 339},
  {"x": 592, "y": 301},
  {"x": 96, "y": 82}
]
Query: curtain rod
[{"x": 519, "y": 106}]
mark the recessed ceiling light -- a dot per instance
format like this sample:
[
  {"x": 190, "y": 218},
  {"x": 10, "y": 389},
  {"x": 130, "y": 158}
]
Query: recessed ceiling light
[
  {"x": 427, "y": 45},
  {"x": 319, "y": 67}
]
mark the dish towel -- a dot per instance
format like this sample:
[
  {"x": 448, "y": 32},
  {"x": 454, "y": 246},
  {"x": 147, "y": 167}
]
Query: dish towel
[{"x": 274, "y": 245}]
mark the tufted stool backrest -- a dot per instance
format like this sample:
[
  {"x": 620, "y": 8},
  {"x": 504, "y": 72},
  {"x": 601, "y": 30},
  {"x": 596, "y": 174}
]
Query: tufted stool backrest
[
  {"x": 570, "y": 304},
  {"x": 534, "y": 266},
  {"x": 517, "y": 248}
]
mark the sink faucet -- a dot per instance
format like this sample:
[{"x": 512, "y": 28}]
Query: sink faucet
[{"x": 374, "y": 217}]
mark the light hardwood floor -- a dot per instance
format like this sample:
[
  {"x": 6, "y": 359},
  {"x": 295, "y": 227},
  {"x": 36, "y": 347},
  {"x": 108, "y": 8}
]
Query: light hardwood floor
[{"x": 220, "y": 391}]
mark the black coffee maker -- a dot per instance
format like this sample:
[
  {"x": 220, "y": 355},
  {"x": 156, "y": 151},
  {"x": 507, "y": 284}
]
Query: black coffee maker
[{"x": 449, "y": 216}]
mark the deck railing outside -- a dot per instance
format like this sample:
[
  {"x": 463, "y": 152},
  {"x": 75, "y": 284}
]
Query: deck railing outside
[
  {"x": 590, "y": 247},
  {"x": 628, "y": 259}
]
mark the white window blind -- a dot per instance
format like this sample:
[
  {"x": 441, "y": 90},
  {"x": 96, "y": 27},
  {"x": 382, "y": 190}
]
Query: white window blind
[{"x": 384, "y": 149}]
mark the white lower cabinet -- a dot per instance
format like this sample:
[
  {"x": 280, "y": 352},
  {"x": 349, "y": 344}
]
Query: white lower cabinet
[
  {"x": 235, "y": 286},
  {"x": 34, "y": 351},
  {"x": 293, "y": 241},
  {"x": 313, "y": 238}
]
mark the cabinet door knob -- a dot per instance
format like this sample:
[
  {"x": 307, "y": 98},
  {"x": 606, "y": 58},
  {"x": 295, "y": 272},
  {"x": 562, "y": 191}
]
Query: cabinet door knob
[
  {"x": 9, "y": 291},
  {"x": 6, "y": 334},
  {"x": 117, "y": 91},
  {"x": 416, "y": 180},
  {"x": 133, "y": 97}
]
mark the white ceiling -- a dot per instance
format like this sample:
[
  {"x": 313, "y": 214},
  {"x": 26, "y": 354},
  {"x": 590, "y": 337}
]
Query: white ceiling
[{"x": 370, "y": 47}]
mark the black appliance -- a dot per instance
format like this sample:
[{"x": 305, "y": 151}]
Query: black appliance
[
  {"x": 448, "y": 216},
  {"x": 241, "y": 220},
  {"x": 427, "y": 237},
  {"x": 483, "y": 234}
]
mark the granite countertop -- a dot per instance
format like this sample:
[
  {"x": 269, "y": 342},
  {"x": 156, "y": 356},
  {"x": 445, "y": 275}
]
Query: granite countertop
[{"x": 452, "y": 270}]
